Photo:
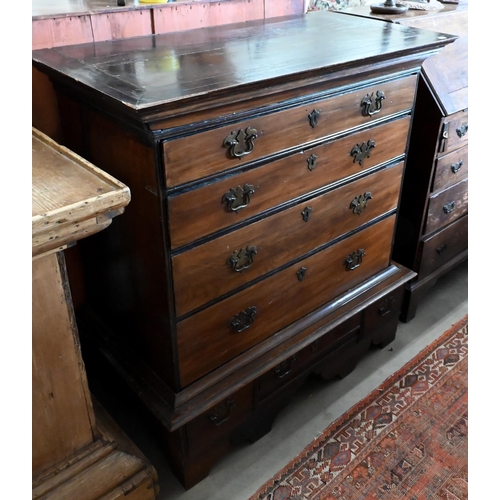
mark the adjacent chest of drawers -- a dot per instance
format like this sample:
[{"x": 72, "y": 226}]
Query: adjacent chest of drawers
[
  {"x": 265, "y": 163},
  {"x": 432, "y": 232}
]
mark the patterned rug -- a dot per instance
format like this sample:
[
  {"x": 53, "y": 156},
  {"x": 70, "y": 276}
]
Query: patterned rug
[{"x": 407, "y": 439}]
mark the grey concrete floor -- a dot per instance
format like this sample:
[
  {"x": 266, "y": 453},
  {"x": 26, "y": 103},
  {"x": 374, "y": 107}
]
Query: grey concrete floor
[{"x": 240, "y": 473}]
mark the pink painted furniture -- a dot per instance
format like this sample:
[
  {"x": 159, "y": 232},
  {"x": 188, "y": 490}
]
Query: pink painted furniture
[{"x": 67, "y": 22}]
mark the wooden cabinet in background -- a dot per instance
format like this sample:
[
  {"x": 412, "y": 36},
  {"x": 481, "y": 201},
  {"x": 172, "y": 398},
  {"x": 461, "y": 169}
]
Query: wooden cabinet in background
[
  {"x": 265, "y": 162},
  {"x": 77, "y": 451},
  {"x": 432, "y": 230}
]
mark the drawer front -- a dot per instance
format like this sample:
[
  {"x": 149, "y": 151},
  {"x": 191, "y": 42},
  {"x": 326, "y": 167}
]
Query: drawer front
[
  {"x": 207, "y": 153},
  {"x": 295, "y": 365},
  {"x": 200, "y": 212},
  {"x": 384, "y": 311},
  {"x": 447, "y": 206},
  {"x": 455, "y": 131},
  {"x": 221, "y": 332},
  {"x": 443, "y": 246},
  {"x": 217, "y": 421},
  {"x": 451, "y": 169},
  {"x": 215, "y": 268}
]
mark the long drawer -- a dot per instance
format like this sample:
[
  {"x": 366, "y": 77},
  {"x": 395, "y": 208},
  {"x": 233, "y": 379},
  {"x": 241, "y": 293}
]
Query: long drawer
[
  {"x": 221, "y": 332},
  {"x": 214, "y": 151},
  {"x": 218, "y": 205},
  {"x": 443, "y": 246},
  {"x": 451, "y": 168},
  {"x": 221, "y": 265},
  {"x": 447, "y": 206}
]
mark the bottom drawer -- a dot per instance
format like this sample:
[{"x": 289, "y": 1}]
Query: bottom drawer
[
  {"x": 443, "y": 246},
  {"x": 304, "y": 359}
]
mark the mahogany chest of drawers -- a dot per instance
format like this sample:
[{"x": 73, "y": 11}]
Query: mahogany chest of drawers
[
  {"x": 265, "y": 162},
  {"x": 432, "y": 230}
]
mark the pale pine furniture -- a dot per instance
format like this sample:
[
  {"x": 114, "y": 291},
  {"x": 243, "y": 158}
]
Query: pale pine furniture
[{"x": 77, "y": 451}]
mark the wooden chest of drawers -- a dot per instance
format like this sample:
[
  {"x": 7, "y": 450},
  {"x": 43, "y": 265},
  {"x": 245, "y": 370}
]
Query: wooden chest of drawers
[
  {"x": 265, "y": 164},
  {"x": 432, "y": 231}
]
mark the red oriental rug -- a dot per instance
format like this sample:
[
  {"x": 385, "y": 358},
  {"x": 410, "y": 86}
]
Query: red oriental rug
[{"x": 405, "y": 440}]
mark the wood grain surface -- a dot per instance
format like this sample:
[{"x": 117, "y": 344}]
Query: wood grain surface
[{"x": 71, "y": 198}]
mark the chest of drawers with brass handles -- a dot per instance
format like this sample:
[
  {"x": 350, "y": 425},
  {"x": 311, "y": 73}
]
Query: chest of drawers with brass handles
[
  {"x": 432, "y": 232},
  {"x": 257, "y": 248}
]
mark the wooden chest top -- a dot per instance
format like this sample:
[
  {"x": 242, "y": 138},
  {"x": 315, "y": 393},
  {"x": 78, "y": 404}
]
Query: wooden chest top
[{"x": 159, "y": 70}]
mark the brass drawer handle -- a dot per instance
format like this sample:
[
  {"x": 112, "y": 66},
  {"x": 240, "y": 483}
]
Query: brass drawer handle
[
  {"x": 313, "y": 117},
  {"x": 240, "y": 143},
  {"x": 243, "y": 320},
  {"x": 360, "y": 202},
  {"x": 372, "y": 103},
  {"x": 222, "y": 412},
  {"x": 242, "y": 259},
  {"x": 361, "y": 152},
  {"x": 306, "y": 213},
  {"x": 238, "y": 198},
  {"x": 455, "y": 167},
  {"x": 462, "y": 130},
  {"x": 311, "y": 162},
  {"x": 449, "y": 207},
  {"x": 285, "y": 367},
  {"x": 441, "y": 249},
  {"x": 354, "y": 259}
]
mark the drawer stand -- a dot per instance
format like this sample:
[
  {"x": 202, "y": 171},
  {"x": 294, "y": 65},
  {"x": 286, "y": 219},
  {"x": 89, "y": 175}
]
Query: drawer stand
[{"x": 243, "y": 405}]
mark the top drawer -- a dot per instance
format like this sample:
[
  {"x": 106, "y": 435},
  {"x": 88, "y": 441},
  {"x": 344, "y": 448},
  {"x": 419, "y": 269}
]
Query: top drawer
[
  {"x": 207, "y": 153},
  {"x": 455, "y": 132}
]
